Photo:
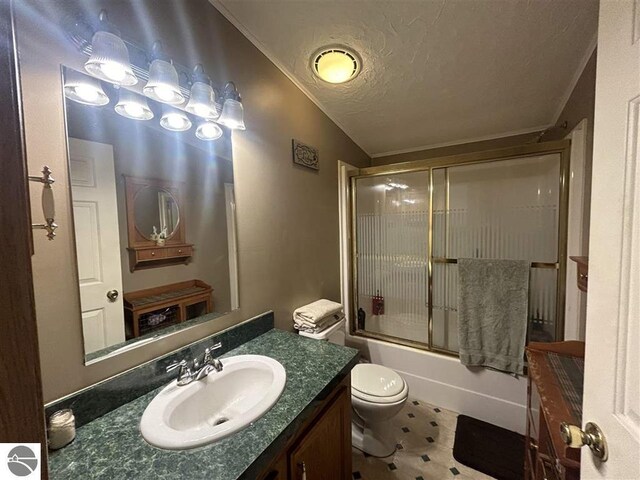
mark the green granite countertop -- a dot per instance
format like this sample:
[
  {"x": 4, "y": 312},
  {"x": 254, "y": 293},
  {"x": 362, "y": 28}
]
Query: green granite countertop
[{"x": 111, "y": 447}]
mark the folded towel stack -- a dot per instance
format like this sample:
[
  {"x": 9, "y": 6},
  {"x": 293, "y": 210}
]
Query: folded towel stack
[{"x": 317, "y": 316}]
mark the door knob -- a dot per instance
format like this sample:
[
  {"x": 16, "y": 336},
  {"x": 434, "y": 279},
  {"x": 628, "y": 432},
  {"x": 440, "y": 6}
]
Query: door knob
[
  {"x": 112, "y": 295},
  {"x": 592, "y": 436}
]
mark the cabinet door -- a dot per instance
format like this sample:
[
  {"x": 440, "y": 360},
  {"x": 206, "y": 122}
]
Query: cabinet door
[
  {"x": 324, "y": 453},
  {"x": 277, "y": 470}
]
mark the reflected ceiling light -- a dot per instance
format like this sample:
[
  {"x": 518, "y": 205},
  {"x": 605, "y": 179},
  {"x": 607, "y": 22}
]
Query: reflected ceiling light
[
  {"x": 132, "y": 105},
  {"x": 84, "y": 89},
  {"x": 336, "y": 64},
  {"x": 174, "y": 120},
  {"x": 109, "y": 60},
  {"x": 202, "y": 99},
  {"x": 208, "y": 131},
  {"x": 232, "y": 115},
  {"x": 163, "y": 83}
]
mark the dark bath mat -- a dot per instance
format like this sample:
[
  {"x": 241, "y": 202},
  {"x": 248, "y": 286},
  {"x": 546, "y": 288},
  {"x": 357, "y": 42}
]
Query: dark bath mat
[{"x": 489, "y": 449}]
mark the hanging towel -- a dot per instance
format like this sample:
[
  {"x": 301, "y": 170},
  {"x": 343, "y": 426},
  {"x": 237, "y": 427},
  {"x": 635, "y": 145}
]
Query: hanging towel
[
  {"x": 316, "y": 311},
  {"x": 492, "y": 313}
]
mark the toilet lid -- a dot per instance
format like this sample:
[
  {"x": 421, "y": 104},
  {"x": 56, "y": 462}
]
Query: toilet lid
[{"x": 376, "y": 380}]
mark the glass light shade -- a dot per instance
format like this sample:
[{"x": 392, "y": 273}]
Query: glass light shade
[
  {"x": 202, "y": 101},
  {"x": 84, "y": 89},
  {"x": 232, "y": 115},
  {"x": 208, "y": 131},
  {"x": 132, "y": 105},
  {"x": 109, "y": 60},
  {"x": 175, "y": 120},
  {"x": 336, "y": 66},
  {"x": 163, "y": 83}
]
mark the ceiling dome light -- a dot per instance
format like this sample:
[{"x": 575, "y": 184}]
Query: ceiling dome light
[
  {"x": 175, "y": 120},
  {"x": 336, "y": 64},
  {"x": 208, "y": 131},
  {"x": 109, "y": 60},
  {"x": 232, "y": 115},
  {"x": 163, "y": 85},
  {"x": 84, "y": 89},
  {"x": 132, "y": 105}
]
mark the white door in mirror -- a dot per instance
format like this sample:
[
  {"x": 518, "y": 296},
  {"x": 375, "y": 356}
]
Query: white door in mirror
[
  {"x": 215, "y": 407},
  {"x": 95, "y": 214}
]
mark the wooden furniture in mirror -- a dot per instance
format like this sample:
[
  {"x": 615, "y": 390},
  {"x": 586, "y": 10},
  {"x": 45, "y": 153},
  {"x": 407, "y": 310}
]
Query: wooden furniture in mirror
[
  {"x": 154, "y": 308},
  {"x": 155, "y": 223}
]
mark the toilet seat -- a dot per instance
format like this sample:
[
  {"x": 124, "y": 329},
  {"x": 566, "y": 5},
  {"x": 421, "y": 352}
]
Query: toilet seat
[{"x": 377, "y": 384}]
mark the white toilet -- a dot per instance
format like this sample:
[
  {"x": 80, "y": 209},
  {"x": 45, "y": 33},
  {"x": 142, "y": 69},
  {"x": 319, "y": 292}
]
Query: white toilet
[{"x": 377, "y": 394}]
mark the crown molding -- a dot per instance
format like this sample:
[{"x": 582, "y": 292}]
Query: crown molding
[
  {"x": 462, "y": 142},
  {"x": 576, "y": 78}
]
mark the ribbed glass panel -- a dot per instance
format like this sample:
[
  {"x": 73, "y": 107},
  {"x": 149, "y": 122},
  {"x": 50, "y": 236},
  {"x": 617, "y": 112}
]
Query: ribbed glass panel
[
  {"x": 392, "y": 223},
  {"x": 506, "y": 210}
]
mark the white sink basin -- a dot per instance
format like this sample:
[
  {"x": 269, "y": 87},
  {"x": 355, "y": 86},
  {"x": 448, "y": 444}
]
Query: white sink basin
[{"x": 210, "y": 409}]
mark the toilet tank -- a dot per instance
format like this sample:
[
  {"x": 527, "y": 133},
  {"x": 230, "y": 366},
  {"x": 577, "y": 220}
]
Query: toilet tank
[{"x": 334, "y": 334}]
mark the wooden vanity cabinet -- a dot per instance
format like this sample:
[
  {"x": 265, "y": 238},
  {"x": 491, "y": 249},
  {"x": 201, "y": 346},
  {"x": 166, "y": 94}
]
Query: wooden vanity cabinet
[{"x": 321, "y": 449}]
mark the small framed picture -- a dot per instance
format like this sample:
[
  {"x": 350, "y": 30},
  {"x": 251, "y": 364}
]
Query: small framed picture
[{"x": 305, "y": 155}]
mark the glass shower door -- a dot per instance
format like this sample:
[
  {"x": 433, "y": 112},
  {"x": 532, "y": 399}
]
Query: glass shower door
[
  {"x": 412, "y": 222},
  {"x": 391, "y": 221},
  {"x": 505, "y": 209}
]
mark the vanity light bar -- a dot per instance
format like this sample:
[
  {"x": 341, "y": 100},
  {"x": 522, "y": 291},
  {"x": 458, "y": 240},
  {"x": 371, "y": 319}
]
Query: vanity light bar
[{"x": 80, "y": 31}]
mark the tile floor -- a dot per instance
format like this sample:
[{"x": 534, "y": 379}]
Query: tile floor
[{"x": 425, "y": 437}]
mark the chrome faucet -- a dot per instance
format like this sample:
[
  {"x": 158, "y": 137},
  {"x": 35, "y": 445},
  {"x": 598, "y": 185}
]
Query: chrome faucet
[{"x": 199, "y": 369}]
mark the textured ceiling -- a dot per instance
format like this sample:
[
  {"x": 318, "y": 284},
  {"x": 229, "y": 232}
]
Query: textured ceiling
[{"x": 434, "y": 72}]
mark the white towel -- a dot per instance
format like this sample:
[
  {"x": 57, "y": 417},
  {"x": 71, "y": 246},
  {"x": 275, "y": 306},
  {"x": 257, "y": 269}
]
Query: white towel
[{"x": 316, "y": 311}]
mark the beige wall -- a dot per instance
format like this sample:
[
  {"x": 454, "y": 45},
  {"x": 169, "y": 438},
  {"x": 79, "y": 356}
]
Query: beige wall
[
  {"x": 459, "y": 149},
  {"x": 581, "y": 105},
  {"x": 287, "y": 215}
]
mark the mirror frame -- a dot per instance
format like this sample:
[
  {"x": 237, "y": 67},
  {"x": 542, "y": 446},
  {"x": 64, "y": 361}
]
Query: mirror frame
[
  {"x": 135, "y": 185},
  {"x": 158, "y": 195},
  {"x": 146, "y": 253}
]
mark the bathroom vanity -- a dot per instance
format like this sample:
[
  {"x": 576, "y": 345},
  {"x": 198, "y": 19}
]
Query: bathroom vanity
[
  {"x": 306, "y": 434},
  {"x": 321, "y": 448}
]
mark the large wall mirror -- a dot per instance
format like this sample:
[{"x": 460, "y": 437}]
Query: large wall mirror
[{"x": 154, "y": 221}]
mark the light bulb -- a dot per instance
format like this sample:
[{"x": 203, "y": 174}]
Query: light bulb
[
  {"x": 164, "y": 93},
  {"x": 134, "y": 110},
  {"x": 113, "y": 71},
  {"x": 87, "y": 93},
  {"x": 208, "y": 131},
  {"x": 175, "y": 121}
]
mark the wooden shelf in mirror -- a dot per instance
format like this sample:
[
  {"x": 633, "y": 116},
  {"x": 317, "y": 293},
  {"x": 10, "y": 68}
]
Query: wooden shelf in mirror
[{"x": 155, "y": 209}]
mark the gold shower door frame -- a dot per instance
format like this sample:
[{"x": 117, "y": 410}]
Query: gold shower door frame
[{"x": 562, "y": 148}]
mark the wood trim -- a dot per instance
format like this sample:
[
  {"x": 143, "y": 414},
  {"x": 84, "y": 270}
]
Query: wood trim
[{"x": 21, "y": 404}]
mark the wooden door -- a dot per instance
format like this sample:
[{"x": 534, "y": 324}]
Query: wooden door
[
  {"x": 612, "y": 375},
  {"x": 21, "y": 405},
  {"x": 95, "y": 214},
  {"x": 324, "y": 453}
]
